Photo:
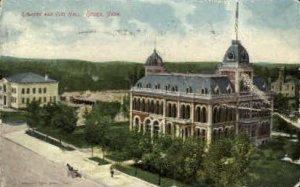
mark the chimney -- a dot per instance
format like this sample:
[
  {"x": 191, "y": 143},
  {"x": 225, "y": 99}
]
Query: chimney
[{"x": 46, "y": 77}]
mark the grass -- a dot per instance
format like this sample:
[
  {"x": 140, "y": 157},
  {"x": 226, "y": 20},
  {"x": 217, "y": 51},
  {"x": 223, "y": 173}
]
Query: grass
[
  {"x": 267, "y": 169},
  {"x": 49, "y": 140},
  {"x": 117, "y": 156},
  {"x": 99, "y": 160},
  {"x": 76, "y": 138},
  {"x": 148, "y": 176},
  {"x": 13, "y": 117}
]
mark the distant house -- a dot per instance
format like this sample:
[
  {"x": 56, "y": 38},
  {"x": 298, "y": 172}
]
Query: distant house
[
  {"x": 19, "y": 89},
  {"x": 284, "y": 85}
]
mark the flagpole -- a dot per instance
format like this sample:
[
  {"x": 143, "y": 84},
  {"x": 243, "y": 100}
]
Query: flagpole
[{"x": 237, "y": 20}]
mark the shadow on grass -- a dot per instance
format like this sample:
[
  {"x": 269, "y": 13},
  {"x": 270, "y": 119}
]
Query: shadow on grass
[
  {"x": 48, "y": 140},
  {"x": 99, "y": 160}
]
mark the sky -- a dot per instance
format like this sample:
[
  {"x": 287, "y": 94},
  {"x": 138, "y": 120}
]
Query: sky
[{"x": 129, "y": 30}]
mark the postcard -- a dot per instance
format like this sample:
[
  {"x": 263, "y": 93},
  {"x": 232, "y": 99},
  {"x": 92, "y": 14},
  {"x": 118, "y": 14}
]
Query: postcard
[{"x": 149, "y": 93}]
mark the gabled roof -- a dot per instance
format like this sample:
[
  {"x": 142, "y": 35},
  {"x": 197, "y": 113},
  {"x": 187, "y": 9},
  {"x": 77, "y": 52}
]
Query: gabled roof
[
  {"x": 26, "y": 78},
  {"x": 196, "y": 82},
  {"x": 260, "y": 83}
]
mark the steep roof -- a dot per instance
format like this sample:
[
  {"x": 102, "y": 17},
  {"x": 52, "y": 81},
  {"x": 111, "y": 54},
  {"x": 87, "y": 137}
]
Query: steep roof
[
  {"x": 26, "y": 78},
  {"x": 154, "y": 60},
  {"x": 260, "y": 83},
  {"x": 196, "y": 82}
]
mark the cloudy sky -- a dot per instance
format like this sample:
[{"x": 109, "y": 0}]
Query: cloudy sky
[{"x": 184, "y": 30}]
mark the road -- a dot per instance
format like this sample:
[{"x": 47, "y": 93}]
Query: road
[{"x": 20, "y": 167}]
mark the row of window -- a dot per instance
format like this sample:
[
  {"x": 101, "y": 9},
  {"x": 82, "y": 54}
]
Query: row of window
[
  {"x": 34, "y": 90},
  {"x": 171, "y": 111},
  {"x": 223, "y": 114},
  {"x": 189, "y": 89},
  {"x": 40, "y": 99}
]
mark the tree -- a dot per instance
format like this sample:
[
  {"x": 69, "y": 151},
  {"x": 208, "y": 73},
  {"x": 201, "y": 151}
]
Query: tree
[
  {"x": 125, "y": 106},
  {"x": 296, "y": 150},
  {"x": 33, "y": 116},
  {"x": 99, "y": 122},
  {"x": 92, "y": 134},
  {"x": 64, "y": 119},
  {"x": 227, "y": 161}
]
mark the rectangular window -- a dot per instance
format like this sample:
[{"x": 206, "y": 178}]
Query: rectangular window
[
  {"x": 40, "y": 99},
  {"x": 28, "y": 91},
  {"x": 33, "y": 90},
  {"x": 33, "y": 98},
  {"x": 27, "y": 100},
  {"x": 23, "y": 100},
  {"x": 45, "y": 99},
  {"x": 23, "y": 90},
  {"x": 40, "y": 90},
  {"x": 54, "y": 99},
  {"x": 45, "y": 90}
]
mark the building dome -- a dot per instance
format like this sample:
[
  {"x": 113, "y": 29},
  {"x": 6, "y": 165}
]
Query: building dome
[
  {"x": 154, "y": 60},
  {"x": 236, "y": 53}
]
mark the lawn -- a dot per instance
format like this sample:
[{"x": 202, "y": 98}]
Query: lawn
[
  {"x": 267, "y": 169},
  {"x": 148, "y": 176},
  {"x": 13, "y": 117},
  {"x": 100, "y": 161}
]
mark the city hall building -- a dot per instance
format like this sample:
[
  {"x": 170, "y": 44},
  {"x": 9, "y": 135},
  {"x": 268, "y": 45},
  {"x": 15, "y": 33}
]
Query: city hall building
[
  {"x": 18, "y": 90},
  {"x": 206, "y": 106}
]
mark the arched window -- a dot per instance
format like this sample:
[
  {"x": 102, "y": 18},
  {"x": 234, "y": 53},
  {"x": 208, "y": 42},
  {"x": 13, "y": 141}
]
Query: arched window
[
  {"x": 169, "y": 110},
  {"x": 174, "y": 111},
  {"x": 156, "y": 127},
  {"x": 188, "y": 112},
  {"x": 198, "y": 114},
  {"x": 148, "y": 126},
  {"x": 136, "y": 124},
  {"x": 143, "y": 105},
  {"x": 156, "y": 109},
  {"x": 182, "y": 112},
  {"x": 203, "y": 134},
  {"x": 147, "y": 105},
  {"x": 220, "y": 133},
  {"x": 152, "y": 106},
  {"x": 203, "y": 114},
  {"x": 215, "y": 115},
  {"x": 161, "y": 108},
  {"x": 168, "y": 129},
  {"x": 226, "y": 132},
  {"x": 134, "y": 104},
  {"x": 139, "y": 85},
  {"x": 138, "y": 107},
  {"x": 202, "y": 91},
  {"x": 148, "y": 85}
]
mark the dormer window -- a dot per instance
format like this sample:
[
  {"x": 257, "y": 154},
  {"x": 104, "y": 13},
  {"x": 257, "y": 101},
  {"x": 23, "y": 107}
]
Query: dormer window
[
  {"x": 202, "y": 91},
  {"x": 217, "y": 91},
  {"x": 148, "y": 85},
  {"x": 229, "y": 89},
  {"x": 157, "y": 86},
  {"x": 231, "y": 56},
  {"x": 174, "y": 88},
  {"x": 189, "y": 90},
  {"x": 167, "y": 87},
  {"x": 139, "y": 85}
]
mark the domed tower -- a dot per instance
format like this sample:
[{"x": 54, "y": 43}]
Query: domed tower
[
  {"x": 154, "y": 64},
  {"x": 236, "y": 64}
]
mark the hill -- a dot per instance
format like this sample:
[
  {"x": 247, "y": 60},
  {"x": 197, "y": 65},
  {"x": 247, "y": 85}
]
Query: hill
[{"x": 78, "y": 75}]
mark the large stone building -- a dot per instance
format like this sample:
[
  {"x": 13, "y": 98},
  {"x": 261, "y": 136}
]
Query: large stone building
[
  {"x": 207, "y": 106},
  {"x": 18, "y": 90},
  {"x": 285, "y": 85}
]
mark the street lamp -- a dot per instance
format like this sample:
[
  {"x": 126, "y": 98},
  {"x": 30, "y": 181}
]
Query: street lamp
[{"x": 162, "y": 156}]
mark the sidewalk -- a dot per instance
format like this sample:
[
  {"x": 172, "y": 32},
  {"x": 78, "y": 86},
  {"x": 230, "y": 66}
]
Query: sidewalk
[{"x": 77, "y": 159}]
